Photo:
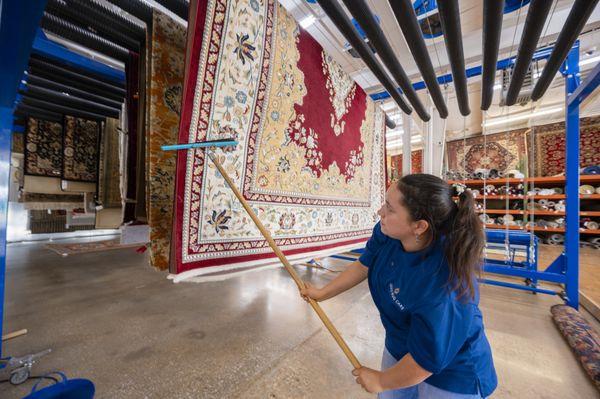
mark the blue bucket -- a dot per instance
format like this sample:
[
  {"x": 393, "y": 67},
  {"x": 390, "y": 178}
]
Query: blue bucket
[{"x": 78, "y": 388}]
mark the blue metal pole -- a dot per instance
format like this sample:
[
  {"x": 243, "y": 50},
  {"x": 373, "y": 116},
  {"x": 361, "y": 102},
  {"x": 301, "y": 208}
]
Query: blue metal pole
[
  {"x": 19, "y": 21},
  {"x": 572, "y": 179},
  {"x": 206, "y": 144}
]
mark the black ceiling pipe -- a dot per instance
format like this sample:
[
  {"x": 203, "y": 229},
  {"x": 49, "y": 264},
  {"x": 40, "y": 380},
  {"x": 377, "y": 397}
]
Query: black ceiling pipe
[
  {"x": 109, "y": 16},
  {"x": 389, "y": 123},
  {"x": 407, "y": 19},
  {"x": 493, "y": 12},
  {"x": 362, "y": 13},
  {"x": 77, "y": 34},
  {"x": 52, "y": 69},
  {"x": 534, "y": 23},
  {"x": 61, "y": 9},
  {"x": 38, "y": 113},
  {"x": 68, "y": 100},
  {"x": 49, "y": 84},
  {"x": 179, "y": 7},
  {"x": 335, "y": 12},
  {"x": 450, "y": 18},
  {"x": 61, "y": 109},
  {"x": 578, "y": 16},
  {"x": 45, "y": 61},
  {"x": 138, "y": 8},
  {"x": 74, "y": 82}
]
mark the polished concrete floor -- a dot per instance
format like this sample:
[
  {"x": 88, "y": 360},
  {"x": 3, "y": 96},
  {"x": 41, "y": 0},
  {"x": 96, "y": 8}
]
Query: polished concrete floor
[{"x": 135, "y": 334}]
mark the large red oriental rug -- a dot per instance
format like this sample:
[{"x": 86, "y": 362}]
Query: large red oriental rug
[{"x": 311, "y": 154}]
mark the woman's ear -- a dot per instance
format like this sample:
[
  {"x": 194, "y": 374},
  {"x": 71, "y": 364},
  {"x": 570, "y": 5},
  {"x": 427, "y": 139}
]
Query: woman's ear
[{"x": 420, "y": 227}]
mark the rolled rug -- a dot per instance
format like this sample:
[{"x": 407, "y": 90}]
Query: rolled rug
[
  {"x": 501, "y": 174},
  {"x": 543, "y": 203},
  {"x": 598, "y": 190},
  {"x": 560, "y": 206},
  {"x": 542, "y": 223},
  {"x": 551, "y": 204},
  {"x": 546, "y": 191},
  {"x": 594, "y": 240},
  {"x": 591, "y": 225},
  {"x": 493, "y": 174},
  {"x": 586, "y": 189},
  {"x": 558, "y": 190},
  {"x": 552, "y": 224}
]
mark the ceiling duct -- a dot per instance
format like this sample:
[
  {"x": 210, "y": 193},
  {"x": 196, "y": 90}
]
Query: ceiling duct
[{"x": 529, "y": 81}]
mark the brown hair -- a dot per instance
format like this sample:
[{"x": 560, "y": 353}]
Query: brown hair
[{"x": 429, "y": 198}]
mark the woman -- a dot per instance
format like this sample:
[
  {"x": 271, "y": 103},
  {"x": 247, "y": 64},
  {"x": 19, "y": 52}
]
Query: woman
[{"x": 421, "y": 263}]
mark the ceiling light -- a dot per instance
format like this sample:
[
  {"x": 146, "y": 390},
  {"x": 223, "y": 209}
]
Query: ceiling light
[
  {"x": 308, "y": 21},
  {"x": 521, "y": 117},
  {"x": 589, "y": 60}
]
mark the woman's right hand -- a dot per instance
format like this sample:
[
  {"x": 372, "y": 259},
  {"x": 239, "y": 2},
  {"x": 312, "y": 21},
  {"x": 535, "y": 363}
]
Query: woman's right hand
[{"x": 311, "y": 292}]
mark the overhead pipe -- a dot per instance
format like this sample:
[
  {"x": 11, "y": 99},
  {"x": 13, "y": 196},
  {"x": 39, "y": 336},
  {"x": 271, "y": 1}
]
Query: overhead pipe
[
  {"x": 50, "y": 84},
  {"x": 534, "y": 23},
  {"x": 61, "y": 9},
  {"x": 389, "y": 123},
  {"x": 493, "y": 12},
  {"x": 138, "y": 8},
  {"x": 178, "y": 7},
  {"x": 45, "y": 60},
  {"x": 450, "y": 19},
  {"x": 335, "y": 12},
  {"x": 70, "y": 81},
  {"x": 109, "y": 16},
  {"x": 576, "y": 20},
  {"x": 68, "y": 100},
  {"x": 73, "y": 32},
  {"x": 38, "y": 113},
  {"x": 362, "y": 13},
  {"x": 49, "y": 69},
  {"x": 61, "y": 109},
  {"x": 407, "y": 19}
]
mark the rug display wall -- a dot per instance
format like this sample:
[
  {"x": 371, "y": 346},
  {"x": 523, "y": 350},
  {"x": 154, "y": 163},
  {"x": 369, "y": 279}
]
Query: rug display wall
[
  {"x": 548, "y": 152},
  {"x": 500, "y": 151},
  {"x": 80, "y": 150},
  {"x": 43, "y": 148},
  {"x": 416, "y": 163},
  {"x": 166, "y": 80},
  {"x": 310, "y": 158}
]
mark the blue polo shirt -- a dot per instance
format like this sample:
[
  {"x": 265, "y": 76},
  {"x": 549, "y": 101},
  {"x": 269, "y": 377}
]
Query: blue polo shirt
[{"x": 421, "y": 316}]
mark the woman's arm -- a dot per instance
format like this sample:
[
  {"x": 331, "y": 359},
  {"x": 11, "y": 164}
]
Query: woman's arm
[
  {"x": 354, "y": 274},
  {"x": 405, "y": 373}
]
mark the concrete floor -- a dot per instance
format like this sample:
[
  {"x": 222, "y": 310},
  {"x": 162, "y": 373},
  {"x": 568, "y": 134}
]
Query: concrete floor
[{"x": 111, "y": 319}]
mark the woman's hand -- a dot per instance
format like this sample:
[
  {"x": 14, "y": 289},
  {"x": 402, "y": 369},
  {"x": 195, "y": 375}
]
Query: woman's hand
[
  {"x": 369, "y": 379},
  {"x": 311, "y": 292}
]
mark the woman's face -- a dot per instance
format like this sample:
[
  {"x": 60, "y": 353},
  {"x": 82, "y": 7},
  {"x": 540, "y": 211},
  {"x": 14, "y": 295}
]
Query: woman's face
[{"x": 395, "y": 219}]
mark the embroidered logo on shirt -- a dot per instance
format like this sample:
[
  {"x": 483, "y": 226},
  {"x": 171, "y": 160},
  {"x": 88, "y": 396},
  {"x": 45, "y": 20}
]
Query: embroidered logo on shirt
[{"x": 394, "y": 293}]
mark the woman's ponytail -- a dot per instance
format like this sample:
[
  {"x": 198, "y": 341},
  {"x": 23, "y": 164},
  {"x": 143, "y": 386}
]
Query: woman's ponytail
[{"x": 464, "y": 246}]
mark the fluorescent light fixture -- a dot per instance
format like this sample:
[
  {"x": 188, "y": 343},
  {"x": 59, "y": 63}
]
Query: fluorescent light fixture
[
  {"x": 521, "y": 117},
  {"x": 308, "y": 21},
  {"x": 589, "y": 60}
]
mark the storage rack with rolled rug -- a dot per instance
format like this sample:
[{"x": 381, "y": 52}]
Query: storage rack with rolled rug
[{"x": 548, "y": 206}]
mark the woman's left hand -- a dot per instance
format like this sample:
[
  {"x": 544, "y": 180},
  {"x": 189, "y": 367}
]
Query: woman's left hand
[{"x": 369, "y": 379}]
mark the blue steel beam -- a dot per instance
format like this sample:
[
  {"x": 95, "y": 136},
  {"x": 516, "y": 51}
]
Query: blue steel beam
[
  {"x": 571, "y": 253},
  {"x": 534, "y": 275},
  {"x": 517, "y": 286},
  {"x": 18, "y": 23},
  {"x": 586, "y": 88},
  {"x": 54, "y": 51}
]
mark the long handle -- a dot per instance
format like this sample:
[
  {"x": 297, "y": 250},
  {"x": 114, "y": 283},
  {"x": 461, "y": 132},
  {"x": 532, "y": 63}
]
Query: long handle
[{"x": 316, "y": 307}]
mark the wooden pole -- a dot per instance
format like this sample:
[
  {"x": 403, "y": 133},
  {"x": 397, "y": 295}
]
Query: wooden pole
[
  {"x": 316, "y": 307},
  {"x": 15, "y": 334}
]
